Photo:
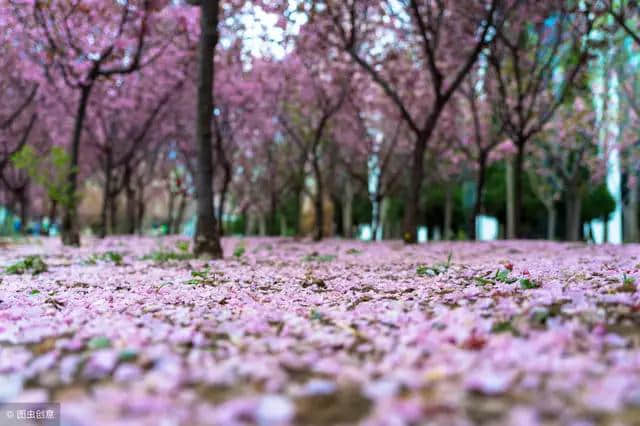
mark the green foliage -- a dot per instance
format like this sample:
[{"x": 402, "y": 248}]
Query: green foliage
[
  {"x": 204, "y": 276},
  {"x": 435, "y": 269},
  {"x": 361, "y": 208},
  {"x": 502, "y": 275},
  {"x": 162, "y": 256},
  {"x": 50, "y": 171},
  {"x": 628, "y": 284},
  {"x": 239, "y": 251},
  {"x": 127, "y": 355},
  {"x": 109, "y": 256},
  {"x": 503, "y": 327},
  {"x": 33, "y": 264},
  {"x": 99, "y": 343},
  {"x": 182, "y": 246},
  {"x": 494, "y": 200},
  {"x": 597, "y": 204},
  {"x": 528, "y": 284}
]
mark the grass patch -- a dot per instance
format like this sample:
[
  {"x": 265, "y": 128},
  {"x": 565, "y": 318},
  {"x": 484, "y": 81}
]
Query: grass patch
[
  {"x": 33, "y": 264},
  {"x": 161, "y": 256},
  {"x": 435, "y": 269},
  {"x": 109, "y": 256},
  {"x": 239, "y": 251}
]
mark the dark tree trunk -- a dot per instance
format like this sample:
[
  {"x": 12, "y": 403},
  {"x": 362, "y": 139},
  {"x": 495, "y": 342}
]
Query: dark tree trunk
[
  {"x": 298, "y": 214},
  {"x": 140, "y": 210},
  {"x": 574, "y": 207},
  {"x": 551, "y": 222},
  {"x": 448, "y": 212},
  {"x": 180, "y": 216},
  {"x": 319, "y": 200},
  {"x": 477, "y": 208},
  {"x": 273, "y": 213},
  {"x": 106, "y": 196},
  {"x": 347, "y": 211},
  {"x": 113, "y": 214},
  {"x": 130, "y": 199},
  {"x": 518, "y": 195},
  {"x": 206, "y": 238},
  {"x": 170, "y": 208},
  {"x": 70, "y": 231},
  {"x": 410, "y": 232},
  {"x": 224, "y": 192}
]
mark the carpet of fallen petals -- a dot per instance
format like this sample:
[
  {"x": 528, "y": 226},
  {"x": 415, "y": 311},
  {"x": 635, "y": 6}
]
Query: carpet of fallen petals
[{"x": 132, "y": 331}]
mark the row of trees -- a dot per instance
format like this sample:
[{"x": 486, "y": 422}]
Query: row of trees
[{"x": 348, "y": 100}]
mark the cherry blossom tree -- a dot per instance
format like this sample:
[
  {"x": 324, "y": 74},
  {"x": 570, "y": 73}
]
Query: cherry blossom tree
[
  {"x": 81, "y": 43},
  {"x": 412, "y": 50},
  {"x": 315, "y": 95},
  {"x": 538, "y": 54}
]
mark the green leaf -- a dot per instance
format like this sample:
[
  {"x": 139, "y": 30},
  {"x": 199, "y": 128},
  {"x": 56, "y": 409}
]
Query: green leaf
[
  {"x": 239, "y": 251},
  {"x": 99, "y": 343},
  {"x": 34, "y": 291},
  {"x": 34, "y": 264},
  {"x": 502, "y": 275},
  {"x": 201, "y": 273},
  {"x": 128, "y": 355},
  {"x": 503, "y": 327},
  {"x": 183, "y": 246},
  {"x": 528, "y": 284},
  {"x": 166, "y": 256},
  {"x": 114, "y": 257}
]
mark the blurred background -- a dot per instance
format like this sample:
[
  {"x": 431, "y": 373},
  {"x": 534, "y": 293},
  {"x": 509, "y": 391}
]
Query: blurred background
[{"x": 387, "y": 119}]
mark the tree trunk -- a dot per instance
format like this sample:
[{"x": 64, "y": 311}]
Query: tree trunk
[
  {"x": 24, "y": 210},
  {"x": 410, "y": 231},
  {"x": 70, "y": 231},
  {"x": 347, "y": 210},
  {"x": 283, "y": 225},
  {"x": 262, "y": 225},
  {"x": 318, "y": 200},
  {"x": 298, "y": 201},
  {"x": 249, "y": 224},
  {"x": 551, "y": 222},
  {"x": 182, "y": 207},
  {"x": 518, "y": 176},
  {"x": 113, "y": 214},
  {"x": 574, "y": 205},
  {"x": 477, "y": 208},
  {"x": 130, "y": 196},
  {"x": 223, "y": 198},
  {"x": 140, "y": 210},
  {"x": 226, "y": 181},
  {"x": 102, "y": 232},
  {"x": 170, "y": 208},
  {"x": 206, "y": 238},
  {"x": 448, "y": 212},
  {"x": 631, "y": 216},
  {"x": 511, "y": 203},
  {"x": 273, "y": 214},
  {"x": 53, "y": 212}
]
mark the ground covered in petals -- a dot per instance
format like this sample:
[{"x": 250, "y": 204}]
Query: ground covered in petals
[{"x": 134, "y": 331}]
